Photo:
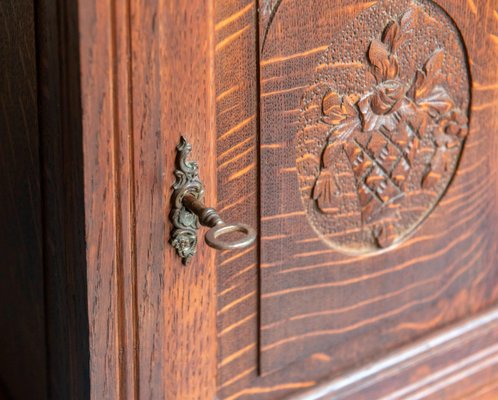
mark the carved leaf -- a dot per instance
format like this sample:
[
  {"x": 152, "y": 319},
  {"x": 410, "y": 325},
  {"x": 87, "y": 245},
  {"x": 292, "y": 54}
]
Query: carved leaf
[
  {"x": 427, "y": 79},
  {"x": 418, "y": 84},
  {"x": 331, "y": 151},
  {"x": 440, "y": 165},
  {"x": 341, "y": 113},
  {"x": 422, "y": 85},
  {"x": 393, "y": 69},
  {"x": 326, "y": 190},
  {"x": 409, "y": 19},
  {"x": 392, "y": 35},
  {"x": 437, "y": 101},
  {"x": 434, "y": 64},
  {"x": 346, "y": 128},
  {"x": 331, "y": 102},
  {"x": 331, "y": 108},
  {"x": 348, "y": 105},
  {"x": 379, "y": 58},
  {"x": 323, "y": 186}
]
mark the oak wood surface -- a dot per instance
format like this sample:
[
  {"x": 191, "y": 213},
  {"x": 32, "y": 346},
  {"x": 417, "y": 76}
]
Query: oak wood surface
[
  {"x": 422, "y": 286},
  {"x": 457, "y": 363},
  {"x": 173, "y": 95},
  {"x": 146, "y": 78},
  {"x": 154, "y": 69},
  {"x": 290, "y": 317},
  {"x": 314, "y": 297},
  {"x": 238, "y": 192}
]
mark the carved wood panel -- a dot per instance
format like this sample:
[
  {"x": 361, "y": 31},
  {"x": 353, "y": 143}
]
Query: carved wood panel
[
  {"x": 394, "y": 78},
  {"x": 364, "y": 126},
  {"x": 292, "y": 311},
  {"x": 382, "y": 127}
]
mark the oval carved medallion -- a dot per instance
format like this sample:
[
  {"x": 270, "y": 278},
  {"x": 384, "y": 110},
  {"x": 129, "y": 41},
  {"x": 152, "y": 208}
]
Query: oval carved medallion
[{"x": 383, "y": 126}]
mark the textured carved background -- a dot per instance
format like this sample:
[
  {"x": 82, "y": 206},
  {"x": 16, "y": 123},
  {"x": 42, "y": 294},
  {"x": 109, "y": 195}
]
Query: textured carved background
[{"x": 382, "y": 126}]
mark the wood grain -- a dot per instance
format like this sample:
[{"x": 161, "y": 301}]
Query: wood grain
[
  {"x": 22, "y": 325},
  {"x": 101, "y": 121},
  {"x": 290, "y": 317},
  {"x": 301, "y": 309},
  {"x": 147, "y": 78},
  {"x": 237, "y": 174},
  {"x": 457, "y": 363},
  {"x": 330, "y": 313},
  {"x": 173, "y": 94},
  {"x": 152, "y": 70}
]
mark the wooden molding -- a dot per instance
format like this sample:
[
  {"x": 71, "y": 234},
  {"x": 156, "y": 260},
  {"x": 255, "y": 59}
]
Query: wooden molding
[{"x": 426, "y": 369}]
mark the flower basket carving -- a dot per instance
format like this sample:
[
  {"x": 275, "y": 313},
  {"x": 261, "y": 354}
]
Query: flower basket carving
[{"x": 387, "y": 153}]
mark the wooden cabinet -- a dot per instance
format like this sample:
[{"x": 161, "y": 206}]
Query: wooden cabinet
[{"x": 357, "y": 137}]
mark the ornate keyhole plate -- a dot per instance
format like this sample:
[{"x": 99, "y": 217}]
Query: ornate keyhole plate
[{"x": 383, "y": 126}]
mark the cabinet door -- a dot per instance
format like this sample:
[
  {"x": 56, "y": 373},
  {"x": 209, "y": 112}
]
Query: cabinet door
[
  {"x": 358, "y": 137},
  {"x": 365, "y": 153}
]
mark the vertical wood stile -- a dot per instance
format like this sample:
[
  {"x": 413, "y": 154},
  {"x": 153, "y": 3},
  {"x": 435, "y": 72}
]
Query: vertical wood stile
[{"x": 146, "y": 77}]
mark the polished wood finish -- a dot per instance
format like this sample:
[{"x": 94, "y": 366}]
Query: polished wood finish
[
  {"x": 146, "y": 78},
  {"x": 136, "y": 64},
  {"x": 326, "y": 279},
  {"x": 296, "y": 315},
  {"x": 371, "y": 305},
  {"x": 237, "y": 119},
  {"x": 457, "y": 363}
]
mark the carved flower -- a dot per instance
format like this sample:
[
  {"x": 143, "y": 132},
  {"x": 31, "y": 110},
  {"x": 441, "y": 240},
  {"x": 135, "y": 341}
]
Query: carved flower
[
  {"x": 454, "y": 124},
  {"x": 341, "y": 113},
  {"x": 451, "y": 130},
  {"x": 387, "y": 97},
  {"x": 379, "y": 107}
]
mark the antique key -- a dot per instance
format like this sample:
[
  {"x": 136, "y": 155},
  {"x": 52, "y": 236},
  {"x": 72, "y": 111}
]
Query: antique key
[{"x": 189, "y": 211}]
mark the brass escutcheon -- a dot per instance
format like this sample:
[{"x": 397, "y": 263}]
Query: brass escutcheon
[{"x": 189, "y": 212}]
